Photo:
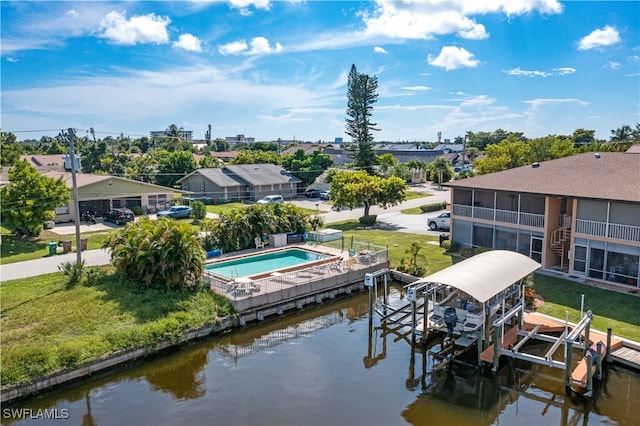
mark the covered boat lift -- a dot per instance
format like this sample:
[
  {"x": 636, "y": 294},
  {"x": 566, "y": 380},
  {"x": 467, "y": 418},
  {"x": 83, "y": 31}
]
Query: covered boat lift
[{"x": 464, "y": 299}]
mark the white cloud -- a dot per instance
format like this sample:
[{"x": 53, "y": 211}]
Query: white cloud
[
  {"x": 12, "y": 59},
  {"x": 565, "y": 70},
  {"x": 600, "y": 38},
  {"x": 379, "y": 49},
  {"x": 426, "y": 19},
  {"x": 536, "y": 103},
  {"x": 613, "y": 65},
  {"x": 233, "y": 48},
  {"x": 534, "y": 73},
  {"x": 452, "y": 57},
  {"x": 188, "y": 42},
  {"x": 138, "y": 30},
  {"x": 416, "y": 88},
  {"x": 258, "y": 46},
  {"x": 244, "y": 5},
  {"x": 526, "y": 73}
]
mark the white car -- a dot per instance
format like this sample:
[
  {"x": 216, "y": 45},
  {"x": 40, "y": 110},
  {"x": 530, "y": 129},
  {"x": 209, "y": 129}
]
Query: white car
[
  {"x": 442, "y": 221},
  {"x": 270, "y": 199}
]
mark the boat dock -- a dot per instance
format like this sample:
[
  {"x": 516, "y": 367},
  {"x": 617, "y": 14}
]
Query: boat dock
[{"x": 479, "y": 303}]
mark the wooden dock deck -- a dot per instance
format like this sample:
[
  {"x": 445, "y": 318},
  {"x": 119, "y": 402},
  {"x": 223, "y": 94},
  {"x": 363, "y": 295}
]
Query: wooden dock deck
[
  {"x": 510, "y": 338},
  {"x": 627, "y": 355},
  {"x": 622, "y": 351}
]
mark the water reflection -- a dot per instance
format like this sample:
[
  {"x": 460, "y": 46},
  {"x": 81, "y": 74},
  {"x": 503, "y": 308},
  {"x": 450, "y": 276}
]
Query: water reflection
[{"x": 330, "y": 365}]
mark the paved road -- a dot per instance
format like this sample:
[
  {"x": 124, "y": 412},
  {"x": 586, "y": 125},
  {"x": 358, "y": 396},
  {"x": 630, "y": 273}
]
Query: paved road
[{"x": 390, "y": 218}]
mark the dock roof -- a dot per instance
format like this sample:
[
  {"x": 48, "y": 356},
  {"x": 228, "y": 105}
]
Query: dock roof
[{"x": 484, "y": 275}]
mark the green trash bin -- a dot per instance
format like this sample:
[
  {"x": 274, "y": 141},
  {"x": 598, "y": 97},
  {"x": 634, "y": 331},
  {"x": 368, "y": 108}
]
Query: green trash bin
[{"x": 53, "y": 248}]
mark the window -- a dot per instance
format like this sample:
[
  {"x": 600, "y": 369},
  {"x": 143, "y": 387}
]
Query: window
[
  {"x": 580, "y": 259},
  {"x": 596, "y": 263},
  {"x": 482, "y": 236}
]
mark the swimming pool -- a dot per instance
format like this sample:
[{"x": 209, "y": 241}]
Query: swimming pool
[{"x": 261, "y": 263}]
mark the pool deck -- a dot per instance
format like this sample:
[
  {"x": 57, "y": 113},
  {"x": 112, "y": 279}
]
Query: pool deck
[{"x": 277, "y": 292}]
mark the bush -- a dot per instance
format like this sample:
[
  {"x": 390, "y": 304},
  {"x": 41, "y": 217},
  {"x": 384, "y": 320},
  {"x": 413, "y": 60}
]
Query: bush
[
  {"x": 137, "y": 210},
  {"x": 466, "y": 252},
  {"x": 450, "y": 246},
  {"x": 163, "y": 252},
  {"x": 199, "y": 210},
  {"x": 74, "y": 271},
  {"x": 529, "y": 297},
  {"x": 368, "y": 220},
  {"x": 433, "y": 207}
]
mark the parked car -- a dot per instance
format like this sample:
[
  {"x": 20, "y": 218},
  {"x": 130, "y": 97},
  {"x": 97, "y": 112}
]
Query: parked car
[
  {"x": 270, "y": 199},
  {"x": 176, "y": 212},
  {"x": 325, "y": 195},
  {"x": 442, "y": 221},
  {"x": 312, "y": 193},
  {"x": 119, "y": 216}
]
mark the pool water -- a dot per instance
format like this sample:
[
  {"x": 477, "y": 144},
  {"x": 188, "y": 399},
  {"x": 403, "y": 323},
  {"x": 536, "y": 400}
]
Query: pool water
[{"x": 261, "y": 263}]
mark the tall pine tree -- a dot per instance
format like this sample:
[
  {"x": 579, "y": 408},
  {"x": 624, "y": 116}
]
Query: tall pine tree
[{"x": 361, "y": 95}]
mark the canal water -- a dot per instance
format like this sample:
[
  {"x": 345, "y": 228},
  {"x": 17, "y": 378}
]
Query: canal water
[{"x": 324, "y": 365}]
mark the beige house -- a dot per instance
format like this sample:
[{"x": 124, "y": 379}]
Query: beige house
[
  {"x": 578, "y": 215},
  {"x": 100, "y": 193}
]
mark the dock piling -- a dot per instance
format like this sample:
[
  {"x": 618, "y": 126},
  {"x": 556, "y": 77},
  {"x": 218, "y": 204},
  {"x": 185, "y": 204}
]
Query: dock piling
[
  {"x": 589, "y": 358},
  {"x": 608, "y": 344},
  {"x": 567, "y": 370}
]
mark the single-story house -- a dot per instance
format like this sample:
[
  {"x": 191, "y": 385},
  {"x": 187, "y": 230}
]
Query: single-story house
[
  {"x": 240, "y": 182},
  {"x": 577, "y": 215},
  {"x": 101, "y": 193}
]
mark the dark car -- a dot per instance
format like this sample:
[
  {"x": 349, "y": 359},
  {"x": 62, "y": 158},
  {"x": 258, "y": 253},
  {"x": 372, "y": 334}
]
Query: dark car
[
  {"x": 119, "y": 216},
  {"x": 176, "y": 212},
  {"x": 312, "y": 193}
]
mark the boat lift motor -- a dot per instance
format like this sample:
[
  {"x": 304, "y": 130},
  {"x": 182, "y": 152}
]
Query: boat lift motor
[{"x": 450, "y": 320}]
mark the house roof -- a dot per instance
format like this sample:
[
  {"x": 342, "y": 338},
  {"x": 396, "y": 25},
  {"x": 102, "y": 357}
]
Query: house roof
[
  {"x": 218, "y": 176},
  {"x": 84, "y": 179},
  {"x": 262, "y": 174},
  {"x": 612, "y": 176},
  {"x": 45, "y": 162},
  {"x": 483, "y": 275},
  {"x": 306, "y": 147}
]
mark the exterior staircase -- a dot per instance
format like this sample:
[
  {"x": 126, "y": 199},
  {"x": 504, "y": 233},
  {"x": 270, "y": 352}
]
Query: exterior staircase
[{"x": 560, "y": 243}]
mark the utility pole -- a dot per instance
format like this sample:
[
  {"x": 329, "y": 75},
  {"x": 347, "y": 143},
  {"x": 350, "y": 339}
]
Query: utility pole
[{"x": 71, "y": 136}]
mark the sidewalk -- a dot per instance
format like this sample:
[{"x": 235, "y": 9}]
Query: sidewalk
[{"x": 46, "y": 265}]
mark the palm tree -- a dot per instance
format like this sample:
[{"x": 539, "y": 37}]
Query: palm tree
[
  {"x": 414, "y": 251},
  {"x": 622, "y": 134}
]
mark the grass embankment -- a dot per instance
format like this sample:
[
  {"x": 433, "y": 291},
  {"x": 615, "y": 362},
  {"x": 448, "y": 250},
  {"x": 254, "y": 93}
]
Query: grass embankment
[
  {"x": 619, "y": 311},
  {"x": 47, "y": 327},
  {"x": 17, "y": 249}
]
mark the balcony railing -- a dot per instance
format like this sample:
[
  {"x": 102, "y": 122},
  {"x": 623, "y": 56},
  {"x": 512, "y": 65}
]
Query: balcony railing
[
  {"x": 614, "y": 230},
  {"x": 505, "y": 216}
]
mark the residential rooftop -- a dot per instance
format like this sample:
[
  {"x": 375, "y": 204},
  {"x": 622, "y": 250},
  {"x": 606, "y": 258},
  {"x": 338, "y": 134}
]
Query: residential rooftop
[{"x": 606, "y": 176}]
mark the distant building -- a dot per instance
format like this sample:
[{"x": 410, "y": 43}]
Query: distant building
[
  {"x": 337, "y": 140},
  {"x": 240, "y": 139},
  {"x": 241, "y": 182},
  {"x": 185, "y": 135}
]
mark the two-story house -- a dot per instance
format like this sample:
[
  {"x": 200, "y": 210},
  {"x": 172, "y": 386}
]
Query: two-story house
[{"x": 578, "y": 215}]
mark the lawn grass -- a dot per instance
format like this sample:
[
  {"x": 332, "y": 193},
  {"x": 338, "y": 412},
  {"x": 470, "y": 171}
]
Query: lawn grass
[
  {"x": 434, "y": 257},
  {"x": 412, "y": 195},
  {"x": 225, "y": 208},
  {"x": 17, "y": 249},
  {"x": 48, "y": 327},
  {"x": 619, "y": 311},
  {"x": 413, "y": 210}
]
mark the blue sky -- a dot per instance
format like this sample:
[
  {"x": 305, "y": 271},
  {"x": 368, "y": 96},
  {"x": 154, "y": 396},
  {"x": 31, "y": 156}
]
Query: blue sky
[{"x": 278, "y": 69}]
